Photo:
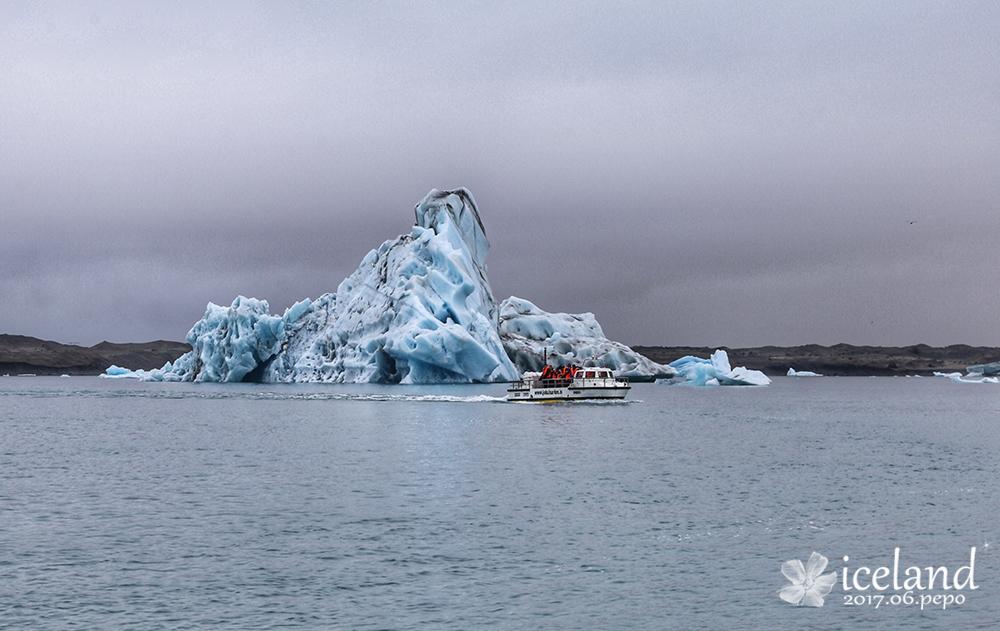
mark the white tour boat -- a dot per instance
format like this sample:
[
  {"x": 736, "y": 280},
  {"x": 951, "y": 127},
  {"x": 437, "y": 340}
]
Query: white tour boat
[{"x": 568, "y": 384}]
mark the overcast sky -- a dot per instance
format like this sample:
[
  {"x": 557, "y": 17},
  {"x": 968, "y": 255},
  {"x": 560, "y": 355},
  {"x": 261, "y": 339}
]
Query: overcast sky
[{"x": 693, "y": 173}]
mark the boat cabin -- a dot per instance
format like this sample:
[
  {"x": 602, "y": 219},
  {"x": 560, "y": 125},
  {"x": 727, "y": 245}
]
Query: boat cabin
[{"x": 568, "y": 383}]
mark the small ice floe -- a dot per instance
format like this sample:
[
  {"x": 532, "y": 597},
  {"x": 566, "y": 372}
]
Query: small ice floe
[
  {"x": 972, "y": 377},
  {"x": 802, "y": 373},
  {"x": 117, "y": 372},
  {"x": 695, "y": 371},
  {"x": 64, "y": 375}
]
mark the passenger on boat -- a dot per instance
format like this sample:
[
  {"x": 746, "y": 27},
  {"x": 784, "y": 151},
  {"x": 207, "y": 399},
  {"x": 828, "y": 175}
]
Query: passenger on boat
[{"x": 563, "y": 373}]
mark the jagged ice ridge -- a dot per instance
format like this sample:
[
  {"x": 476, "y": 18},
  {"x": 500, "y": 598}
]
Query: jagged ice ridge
[{"x": 533, "y": 337}]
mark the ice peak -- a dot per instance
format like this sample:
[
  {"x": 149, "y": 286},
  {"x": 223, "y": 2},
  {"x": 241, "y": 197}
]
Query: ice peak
[{"x": 460, "y": 208}]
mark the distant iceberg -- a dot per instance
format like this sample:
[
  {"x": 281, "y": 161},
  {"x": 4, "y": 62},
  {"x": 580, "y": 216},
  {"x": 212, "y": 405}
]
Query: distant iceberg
[
  {"x": 117, "y": 372},
  {"x": 982, "y": 373},
  {"x": 802, "y": 373},
  {"x": 418, "y": 310},
  {"x": 987, "y": 370},
  {"x": 972, "y": 377},
  {"x": 716, "y": 371}
]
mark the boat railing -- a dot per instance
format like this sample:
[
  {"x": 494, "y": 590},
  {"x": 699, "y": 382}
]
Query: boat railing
[
  {"x": 551, "y": 383},
  {"x": 577, "y": 381}
]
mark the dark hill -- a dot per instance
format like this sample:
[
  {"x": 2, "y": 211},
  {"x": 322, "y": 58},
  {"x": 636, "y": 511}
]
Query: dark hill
[{"x": 20, "y": 354}]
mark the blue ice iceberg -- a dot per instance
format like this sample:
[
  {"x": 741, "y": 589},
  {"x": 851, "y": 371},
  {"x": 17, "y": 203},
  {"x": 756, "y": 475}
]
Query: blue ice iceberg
[
  {"x": 695, "y": 371},
  {"x": 117, "y": 372},
  {"x": 418, "y": 310}
]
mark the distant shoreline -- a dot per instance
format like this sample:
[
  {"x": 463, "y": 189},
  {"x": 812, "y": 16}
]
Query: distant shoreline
[
  {"x": 20, "y": 354},
  {"x": 28, "y": 355},
  {"x": 842, "y": 360}
]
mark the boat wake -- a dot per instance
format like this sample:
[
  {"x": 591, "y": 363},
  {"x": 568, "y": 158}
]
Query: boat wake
[
  {"x": 340, "y": 396},
  {"x": 262, "y": 396},
  {"x": 576, "y": 402}
]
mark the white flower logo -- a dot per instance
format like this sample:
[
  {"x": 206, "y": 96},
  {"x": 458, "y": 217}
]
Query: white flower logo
[{"x": 808, "y": 587}]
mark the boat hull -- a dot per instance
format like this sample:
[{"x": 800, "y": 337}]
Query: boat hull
[{"x": 567, "y": 393}]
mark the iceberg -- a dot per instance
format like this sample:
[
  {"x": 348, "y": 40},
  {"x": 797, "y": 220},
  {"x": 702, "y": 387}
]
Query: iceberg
[
  {"x": 987, "y": 370},
  {"x": 802, "y": 373},
  {"x": 716, "y": 371},
  {"x": 533, "y": 337},
  {"x": 418, "y": 310}
]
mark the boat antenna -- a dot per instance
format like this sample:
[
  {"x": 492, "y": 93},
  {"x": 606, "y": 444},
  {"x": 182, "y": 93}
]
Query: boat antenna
[{"x": 545, "y": 356}]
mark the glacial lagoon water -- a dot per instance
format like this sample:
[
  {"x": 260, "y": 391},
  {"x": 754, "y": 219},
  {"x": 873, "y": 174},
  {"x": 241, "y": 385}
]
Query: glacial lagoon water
[{"x": 127, "y": 505}]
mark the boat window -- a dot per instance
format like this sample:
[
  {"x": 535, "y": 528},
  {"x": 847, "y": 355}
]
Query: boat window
[
  {"x": 590, "y": 374},
  {"x": 604, "y": 374}
]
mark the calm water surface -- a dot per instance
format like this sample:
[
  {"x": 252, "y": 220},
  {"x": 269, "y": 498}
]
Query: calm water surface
[{"x": 128, "y": 505}]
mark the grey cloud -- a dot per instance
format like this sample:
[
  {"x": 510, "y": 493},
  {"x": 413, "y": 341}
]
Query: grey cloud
[{"x": 736, "y": 172}]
